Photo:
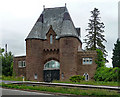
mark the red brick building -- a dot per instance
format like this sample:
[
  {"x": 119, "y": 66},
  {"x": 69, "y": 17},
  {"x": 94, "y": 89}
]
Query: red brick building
[{"x": 54, "y": 49}]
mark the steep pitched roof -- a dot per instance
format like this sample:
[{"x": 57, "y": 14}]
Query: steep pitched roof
[{"x": 60, "y": 20}]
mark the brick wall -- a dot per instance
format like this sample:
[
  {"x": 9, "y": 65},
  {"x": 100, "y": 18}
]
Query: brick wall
[
  {"x": 86, "y": 68},
  {"x": 68, "y": 57},
  {"x": 19, "y": 71},
  {"x": 64, "y": 50},
  {"x": 34, "y": 59}
]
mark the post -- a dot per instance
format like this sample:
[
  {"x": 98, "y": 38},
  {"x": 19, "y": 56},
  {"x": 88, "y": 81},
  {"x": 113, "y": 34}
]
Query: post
[{"x": 23, "y": 78}]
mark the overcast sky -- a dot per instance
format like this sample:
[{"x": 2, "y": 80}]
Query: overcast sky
[{"x": 17, "y": 18}]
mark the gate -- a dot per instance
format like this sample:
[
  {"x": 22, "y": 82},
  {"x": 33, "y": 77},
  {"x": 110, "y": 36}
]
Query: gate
[
  {"x": 50, "y": 75},
  {"x": 51, "y": 71}
]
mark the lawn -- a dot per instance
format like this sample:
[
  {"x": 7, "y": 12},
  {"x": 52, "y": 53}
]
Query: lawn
[
  {"x": 11, "y": 78},
  {"x": 91, "y": 83},
  {"x": 63, "y": 90}
]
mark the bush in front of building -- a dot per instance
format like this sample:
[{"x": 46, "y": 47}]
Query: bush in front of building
[
  {"x": 12, "y": 78},
  {"x": 76, "y": 78},
  {"x": 107, "y": 74},
  {"x": 104, "y": 73}
]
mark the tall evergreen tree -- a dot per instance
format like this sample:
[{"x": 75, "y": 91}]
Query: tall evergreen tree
[
  {"x": 7, "y": 64},
  {"x": 116, "y": 54},
  {"x": 95, "y": 37},
  {"x": 1, "y": 51}
]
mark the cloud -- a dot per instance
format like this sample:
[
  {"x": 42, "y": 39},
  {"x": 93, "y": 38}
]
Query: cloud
[{"x": 17, "y": 18}]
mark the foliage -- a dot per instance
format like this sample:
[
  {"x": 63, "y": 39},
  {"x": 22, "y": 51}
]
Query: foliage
[
  {"x": 95, "y": 37},
  {"x": 75, "y": 91},
  {"x": 103, "y": 73},
  {"x": 7, "y": 64},
  {"x": 102, "y": 83},
  {"x": 106, "y": 74},
  {"x": 12, "y": 78},
  {"x": 1, "y": 50},
  {"x": 77, "y": 78},
  {"x": 100, "y": 60},
  {"x": 116, "y": 54}
]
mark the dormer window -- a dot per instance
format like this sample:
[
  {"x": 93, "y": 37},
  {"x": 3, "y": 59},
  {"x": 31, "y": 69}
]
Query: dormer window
[{"x": 51, "y": 39}]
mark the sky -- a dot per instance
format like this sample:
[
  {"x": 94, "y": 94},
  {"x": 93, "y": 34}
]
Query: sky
[{"x": 17, "y": 17}]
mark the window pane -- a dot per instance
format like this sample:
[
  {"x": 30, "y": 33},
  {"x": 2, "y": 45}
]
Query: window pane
[
  {"x": 51, "y": 39},
  {"x": 24, "y": 64},
  {"x": 87, "y": 60},
  {"x": 19, "y": 64},
  {"x": 35, "y": 76},
  {"x": 52, "y": 64}
]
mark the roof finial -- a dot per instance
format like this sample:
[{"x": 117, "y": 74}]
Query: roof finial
[
  {"x": 43, "y": 7},
  {"x": 65, "y": 4}
]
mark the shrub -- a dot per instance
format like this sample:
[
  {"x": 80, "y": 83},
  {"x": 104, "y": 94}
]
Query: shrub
[
  {"x": 107, "y": 74},
  {"x": 12, "y": 78},
  {"x": 76, "y": 78}
]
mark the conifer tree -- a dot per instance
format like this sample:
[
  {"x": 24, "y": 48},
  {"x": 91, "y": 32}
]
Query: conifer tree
[
  {"x": 95, "y": 37},
  {"x": 116, "y": 54}
]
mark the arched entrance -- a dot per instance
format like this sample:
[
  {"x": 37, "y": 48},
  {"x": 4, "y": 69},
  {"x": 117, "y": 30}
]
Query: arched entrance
[{"x": 51, "y": 71}]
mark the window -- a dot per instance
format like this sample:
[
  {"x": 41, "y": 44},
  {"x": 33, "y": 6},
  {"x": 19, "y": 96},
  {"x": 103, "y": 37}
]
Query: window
[
  {"x": 35, "y": 76},
  {"x": 24, "y": 64},
  {"x": 51, "y": 39},
  {"x": 87, "y": 61},
  {"x": 21, "y": 64},
  {"x": 86, "y": 76},
  {"x": 62, "y": 75},
  {"x": 56, "y": 37},
  {"x": 52, "y": 65}
]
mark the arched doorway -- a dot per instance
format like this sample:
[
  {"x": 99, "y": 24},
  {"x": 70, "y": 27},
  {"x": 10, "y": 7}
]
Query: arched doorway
[{"x": 51, "y": 71}]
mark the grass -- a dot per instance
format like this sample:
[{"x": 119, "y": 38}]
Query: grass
[
  {"x": 91, "y": 83},
  {"x": 12, "y": 78},
  {"x": 75, "y": 91}
]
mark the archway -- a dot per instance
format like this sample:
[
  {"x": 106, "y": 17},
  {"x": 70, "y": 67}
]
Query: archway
[{"x": 51, "y": 71}]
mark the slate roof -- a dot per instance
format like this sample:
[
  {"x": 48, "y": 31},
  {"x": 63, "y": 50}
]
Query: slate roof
[{"x": 60, "y": 20}]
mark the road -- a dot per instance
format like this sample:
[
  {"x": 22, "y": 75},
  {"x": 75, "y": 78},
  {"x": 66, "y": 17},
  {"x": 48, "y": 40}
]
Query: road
[{"x": 19, "y": 92}]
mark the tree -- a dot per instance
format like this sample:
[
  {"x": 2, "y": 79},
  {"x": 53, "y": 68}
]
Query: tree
[
  {"x": 116, "y": 54},
  {"x": 7, "y": 64},
  {"x": 95, "y": 37},
  {"x": 100, "y": 60},
  {"x": 1, "y": 51},
  {"x": 104, "y": 73}
]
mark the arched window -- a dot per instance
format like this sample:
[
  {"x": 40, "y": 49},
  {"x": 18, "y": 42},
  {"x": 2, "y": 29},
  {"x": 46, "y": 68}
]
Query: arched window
[
  {"x": 52, "y": 65},
  {"x": 35, "y": 76},
  {"x": 86, "y": 76},
  {"x": 51, "y": 39}
]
